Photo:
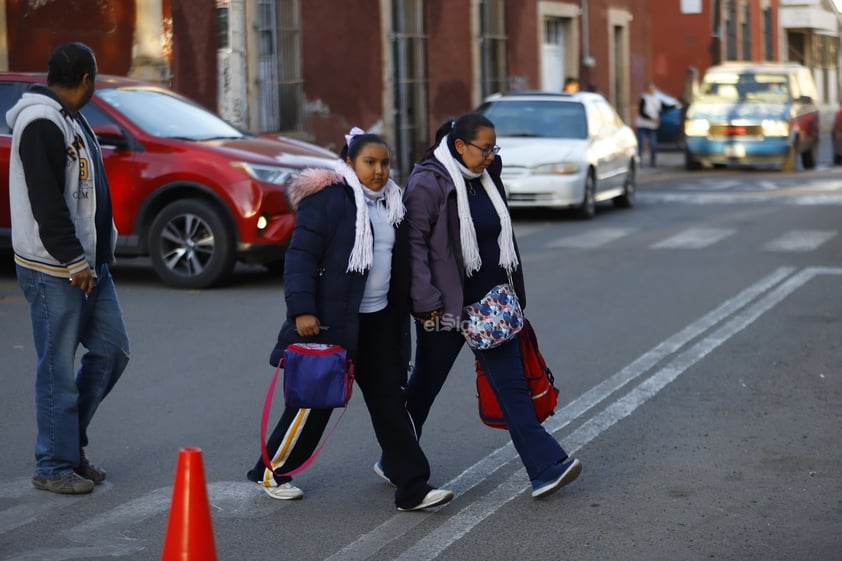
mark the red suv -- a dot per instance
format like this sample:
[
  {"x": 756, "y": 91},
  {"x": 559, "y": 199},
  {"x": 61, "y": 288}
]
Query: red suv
[{"x": 189, "y": 190}]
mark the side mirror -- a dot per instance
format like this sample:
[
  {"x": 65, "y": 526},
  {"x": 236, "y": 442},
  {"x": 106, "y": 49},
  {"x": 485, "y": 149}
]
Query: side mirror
[
  {"x": 805, "y": 99},
  {"x": 111, "y": 135}
]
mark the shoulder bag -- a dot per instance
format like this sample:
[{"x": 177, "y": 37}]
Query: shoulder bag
[
  {"x": 539, "y": 379},
  {"x": 494, "y": 319}
]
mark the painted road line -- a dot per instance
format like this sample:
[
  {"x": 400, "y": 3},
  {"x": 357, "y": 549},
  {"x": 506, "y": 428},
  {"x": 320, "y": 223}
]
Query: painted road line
[
  {"x": 694, "y": 238},
  {"x": 800, "y": 240},
  {"x": 592, "y": 238},
  {"x": 370, "y": 543},
  {"x": 432, "y": 544}
]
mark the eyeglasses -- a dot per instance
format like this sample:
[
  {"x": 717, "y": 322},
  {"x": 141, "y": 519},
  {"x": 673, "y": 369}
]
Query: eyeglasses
[{"x": 486, "y": 152}]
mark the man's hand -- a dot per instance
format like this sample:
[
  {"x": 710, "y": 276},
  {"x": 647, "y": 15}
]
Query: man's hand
[{"x": 84, "y": 281}]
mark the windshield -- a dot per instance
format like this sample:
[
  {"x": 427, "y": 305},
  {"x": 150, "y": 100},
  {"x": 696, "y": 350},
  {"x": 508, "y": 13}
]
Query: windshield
[
  {"x": 731, "y": 86},
  {"x": 535, "y": 118},
  {"x": 167, "y": 115}
]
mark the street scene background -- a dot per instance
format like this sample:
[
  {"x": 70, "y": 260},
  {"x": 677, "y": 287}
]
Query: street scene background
[{"x": 695, "y": 339}]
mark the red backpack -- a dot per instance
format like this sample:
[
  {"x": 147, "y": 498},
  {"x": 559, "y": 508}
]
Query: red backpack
[{"x": 539, "y": 378}]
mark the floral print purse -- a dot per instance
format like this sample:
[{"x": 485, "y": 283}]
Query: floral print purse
[{"x": 494, "y": 319}]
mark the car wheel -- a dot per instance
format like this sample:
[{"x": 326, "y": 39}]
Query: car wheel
[
  {"x": 626, "y": 200},
  {"x": 789, "y": 162},
  {"x": 190, "y": 245},
  {"x": 691, "y": 163},
  {"x": 587, "y": 209},
  {"x": 808, "y": 158}
]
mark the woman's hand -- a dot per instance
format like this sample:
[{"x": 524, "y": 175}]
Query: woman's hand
[
  {"x": 307, "y": 325},
  {"x": 429, "y": 318}
]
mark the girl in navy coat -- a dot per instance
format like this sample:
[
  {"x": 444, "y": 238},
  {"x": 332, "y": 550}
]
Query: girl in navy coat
[{"x": 346, "y": 283}]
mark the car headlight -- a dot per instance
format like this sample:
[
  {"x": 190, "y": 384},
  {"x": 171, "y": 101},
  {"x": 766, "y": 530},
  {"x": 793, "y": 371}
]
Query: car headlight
[
  {"x": 773, "y": 127},
  {"x": 277, "y": 175},
  {"x": 563, "y": 168},
  {"x": 696, "y": 127}
]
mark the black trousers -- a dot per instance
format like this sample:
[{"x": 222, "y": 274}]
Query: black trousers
[{"x": 380, "y": 375}]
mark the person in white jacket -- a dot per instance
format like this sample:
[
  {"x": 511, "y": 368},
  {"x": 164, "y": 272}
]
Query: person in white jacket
[
  {"x": 648, "y": 120},
  {"x": 64, "y": 238}
]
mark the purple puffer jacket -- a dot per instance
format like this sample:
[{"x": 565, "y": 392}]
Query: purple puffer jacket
[{"x": 437, "y": 268}]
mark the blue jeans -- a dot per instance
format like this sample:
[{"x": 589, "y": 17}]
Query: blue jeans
[
  {"x": 645, "y": 135},
  {"x": 66, "y": 400},
  {"x": 435, "y": 354}
]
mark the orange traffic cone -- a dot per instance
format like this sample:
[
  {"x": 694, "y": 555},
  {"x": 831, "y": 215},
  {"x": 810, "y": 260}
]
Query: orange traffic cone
[{"x": 189, "y": 534}]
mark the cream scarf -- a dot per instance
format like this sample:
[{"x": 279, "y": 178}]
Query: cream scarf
[
  {"x": 467, "y": 232},
  {"x": 362, "y": 254}
]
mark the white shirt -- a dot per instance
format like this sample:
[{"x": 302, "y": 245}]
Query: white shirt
[{"x": 376, "y": 294}]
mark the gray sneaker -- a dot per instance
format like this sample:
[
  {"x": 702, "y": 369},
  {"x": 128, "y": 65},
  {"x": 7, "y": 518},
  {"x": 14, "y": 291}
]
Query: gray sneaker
[
  {"x": 70, "y": 484},
  {"x": 88, "y": 470}
]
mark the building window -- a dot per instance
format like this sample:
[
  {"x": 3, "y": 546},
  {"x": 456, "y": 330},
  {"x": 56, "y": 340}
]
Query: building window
[
  {"x": 222, "y": 27},
  {"x": 768, "y": 44},
  {"x": 410, "y": 62},
  {"x": 493, "y": 46},
  {"x": 747, "y": 33},
  {"x": 281, "y": 87},
  {"x": 290, "y": 80},
  {"x": 731, "y": 32}
]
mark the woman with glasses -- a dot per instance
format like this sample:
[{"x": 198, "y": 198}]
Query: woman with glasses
[{"x": 461, "y": 246}]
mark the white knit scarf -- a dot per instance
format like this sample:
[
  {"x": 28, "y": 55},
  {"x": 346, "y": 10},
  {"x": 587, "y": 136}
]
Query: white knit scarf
[
  {"x": 467, "y": 232},
  {"x": 362, "y": 254}
]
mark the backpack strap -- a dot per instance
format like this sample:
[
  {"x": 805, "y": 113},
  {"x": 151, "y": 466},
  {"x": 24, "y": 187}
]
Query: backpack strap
[{"x": 264, "y": 421}]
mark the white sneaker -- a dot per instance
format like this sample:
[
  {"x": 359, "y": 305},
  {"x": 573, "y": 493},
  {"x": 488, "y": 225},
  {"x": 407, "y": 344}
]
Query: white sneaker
[
  {"x": 285, "y": 491},
  {"x": 378, "y": 469},
  {"x": 435, "y": 497}
]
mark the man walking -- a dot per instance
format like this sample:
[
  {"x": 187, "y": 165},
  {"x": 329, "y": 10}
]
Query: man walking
[
  {"x": 63, "y": 236},
  {"x": 648, "y": 120}
]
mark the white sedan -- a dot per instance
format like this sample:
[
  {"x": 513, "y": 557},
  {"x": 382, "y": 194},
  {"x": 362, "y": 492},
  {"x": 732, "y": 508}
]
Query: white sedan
[{"x": 563, "y": 150}]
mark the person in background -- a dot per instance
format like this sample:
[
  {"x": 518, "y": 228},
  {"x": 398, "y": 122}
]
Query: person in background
[
  {"x": 461, "y": 245},
  {"x": 571, "y": 85},
  {"x": 346, "y": 282},
  {"x": 647, "y": 122},
  {"x": 63, "y": 237}
]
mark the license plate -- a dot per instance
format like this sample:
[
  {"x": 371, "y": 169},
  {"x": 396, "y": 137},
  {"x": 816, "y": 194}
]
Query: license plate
[{"x": 735, "y": 151}]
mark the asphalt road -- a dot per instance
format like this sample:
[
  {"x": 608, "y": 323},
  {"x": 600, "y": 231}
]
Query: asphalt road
[{"x": 695, "y": 338}]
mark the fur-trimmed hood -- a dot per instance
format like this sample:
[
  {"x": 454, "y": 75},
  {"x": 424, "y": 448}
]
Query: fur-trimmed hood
[{"x": 309, "y": 182}]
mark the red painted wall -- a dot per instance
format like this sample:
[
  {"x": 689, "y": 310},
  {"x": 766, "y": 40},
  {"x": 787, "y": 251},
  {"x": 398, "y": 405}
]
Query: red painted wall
[
  {"x": 449, "y": 63},
  {"x": 106, "y": 26},
  {"x": 342, "y": 67},
  {"x": 683, "y": 40},
  {"x": 524, "y": 45},
  {"x": 193, "y": 61}
]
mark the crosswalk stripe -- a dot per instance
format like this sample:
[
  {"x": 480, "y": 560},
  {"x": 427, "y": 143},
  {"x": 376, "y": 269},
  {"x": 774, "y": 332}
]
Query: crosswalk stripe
[
  {"x": 592, "y": 238},
  {"x": 800, "y": 240},
  {"x": 694, "y": 238}
]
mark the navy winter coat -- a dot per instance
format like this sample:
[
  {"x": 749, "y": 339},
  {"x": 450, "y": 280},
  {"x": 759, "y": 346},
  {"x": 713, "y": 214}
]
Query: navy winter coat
[{"x": 315, "y": 277}]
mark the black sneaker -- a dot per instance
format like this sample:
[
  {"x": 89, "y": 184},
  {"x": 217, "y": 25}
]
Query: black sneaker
[
  {"x": 88, "y": 470},
  {"x": 70, "y": 484}
]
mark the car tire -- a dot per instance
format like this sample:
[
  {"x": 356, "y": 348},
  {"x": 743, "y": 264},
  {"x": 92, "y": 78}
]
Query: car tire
[
  {"x": 191, "y": 245},
  {"x": 690, "y": 163},
  {"x": 626, "y": 200},
  {"x": 587, "y": 209}
]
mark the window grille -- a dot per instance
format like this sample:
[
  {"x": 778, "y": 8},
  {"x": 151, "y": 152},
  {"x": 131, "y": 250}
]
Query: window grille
[
  {"x": 409, "y": 48},
  {"x": 747, "y": 33},
  {"x": 493, "y": 46}
]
